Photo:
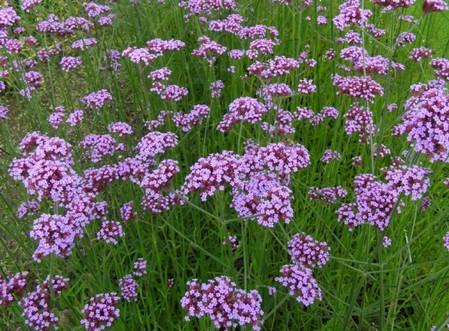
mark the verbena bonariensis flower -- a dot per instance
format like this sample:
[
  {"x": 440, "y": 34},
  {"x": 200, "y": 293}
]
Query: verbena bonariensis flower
[
  {"x": 232, "y": 24},
  {"x": 8, "y": 17},
  {"x": 128, "y": 287},
  {"x": 276, "y": 67},
  {"x": 75, "y": 117},
  {"x": 441, "y": 67},
  {"x": 160, "y": 47},
  {"x": 98, "y": 146},
  {"x": 405, "y": 38},
  {"x": 434, "y": 6},
  {"x": 327, "y": 194},
  {"x": 120, "y": 128},
  {"x": 138, "y": 55},
  {"x": 140, "y": 267},
  {"x": 394, "y": 4},
  {"x": 160, "y": 74},
  {"x": 155, "y": 143},
  {"x": 225, "y": 304},
  {"x": 10, "y": 287},
  {"x": 212, "y": 173},
  {"x": 420, "y": 53},
  {"x": 109, "y": 232},
  {"x": 27, "y": 208},
  {"x": 209, "y": 50},
  {"x": 154, "y": 184},
  {"x": 360, "y": 120},
  {"x": 264, "y": 198},
  {"x": 194, "y": 118},
  {"x": 70, "y": 62},
  {"x": 375, "y": 203},
  {"x": 262, "y": 46},
  {"x": 307, "y": 252},
  {"x": 28, "y": 5},
  {"x": 258, "y": 31},
  {"x": 330, "y": 155},
  {"x": 93, "y": 9},
  {"x": 244, "y": 109},
  {"x": 411, "y": 181},
  {"x": 100, "y": 312},
  {"x": 206, "y": 7},
  {"x": 358, "y": 87},
  {"x": 84, "y": 43},
  {"x": 127, "y": 213},
  {"x": 173, "y": 93},
  {"x": 282, "y": 125},
  {"x": 306, "y": 86},
  {"x": 351, "y": 13},
  {"x": 36, "y": 305},
  {"x": 300, "y": 283},
  {"x": 424, "y": 122},
  {"x": 280, "y": 158},
  {"x": 3, "y": 113},
  {"x": 96, "y": 99},
  {"x": 215, "y": 88}
]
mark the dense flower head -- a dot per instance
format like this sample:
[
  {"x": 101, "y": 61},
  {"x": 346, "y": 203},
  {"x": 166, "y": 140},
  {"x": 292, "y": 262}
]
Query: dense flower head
[
  {"x": 160, "y": 47},
  {"x": 3, "y": 113},
  {"x": 12, "y": 286},
  {"x": 327, "y": 194},
  {"x": 441, "y": 67},
  {"x": 225, "y": 304},
  {"x": 434, "y": 6},
  {"x": 232, "y": 24},
  {"x": 420, "y": 53},
  {"x": 394, "y": 4},
  {"x": 405, "y": 38},
  {"x": 375, "y": 203},
  {"x": 98, "y": 146},
  {"x": 216, "y": 88},
  {"x": 8, "y": 17},
  {"x": 358, "y": 87},
  {"x": 424, "y": 122},
  {"x": 173, "y": 93},
  {"x": 93, "y": 9},
  {"x": 206, "y": 7},
  {"x": 155, "y": 143},
  {"x": 281, "y": 158},
  {"x": 307, "y": 252},
  {"x": 196, "y": 116},
  {"x": 100, "y": 312},
  {"x": 140, "y": 267},
  {"x": 75, "y": 117},
  {"x": 306, "y": 86},
  {"x": 120, "y": 128},
  {"x": 264, "y": 198},
  {"x": 37, "y": 310},
  {"x": 351, "y": 12},
  {"x": 128, "y": 287},
  {"x": 126, "y": 212},
  {"x": 282, "y": 126},
  {"x": 70, "y": 62},
  {"x": 109, "y": 232},
  {"x": 212, "y": 173},
  {"x": 97, "y": 99},
  {"x": 138, "y": 55},
  {"x": 360, "y": 120},
  {"x": 28, "y": 5},
  {"x": 300, "y": 283},
  {"x": 446, "y": 241},
  {"x": 84, "y": 43},
  {"x": 209, "y": 50},
  {"x": 411, "y": 181},
  {"x": 243, "y": 109},
  {"x": 160, "y": 74},
  {"x": 329, "y": 155}
]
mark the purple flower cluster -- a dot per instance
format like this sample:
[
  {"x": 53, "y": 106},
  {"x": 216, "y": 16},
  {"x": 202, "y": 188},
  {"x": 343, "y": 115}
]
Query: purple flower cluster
[
  {"x": 209, "y": 50},
  {"x": 225, "y": 304},
  {"x": 358, "y": 87},
  {"x": 36, "y": 305},
  {"x": 97, "y": 99},
  {"x": 100, "y": 312},
  {"x": 360, "y": 120},
  {"x": 327, "y": 194},
  {"x": 98, "y": 146},
  {"x": 128, "y": 288},
  {"x": 244, "y": 109},
  {"x": 330, "y": 155},
  {"x": 197, "y": 115},
  {"x": 307, "y": 252},
  {"x": 10, "y": 287},
  {"x": 109, "y": 232},
  {"x": 300, "y": 283}
]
